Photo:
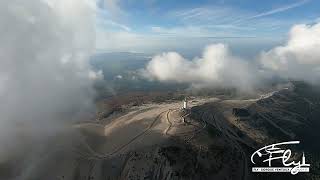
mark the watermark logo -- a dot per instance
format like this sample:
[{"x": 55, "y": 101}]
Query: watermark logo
[{"x": 277, "y": 152}]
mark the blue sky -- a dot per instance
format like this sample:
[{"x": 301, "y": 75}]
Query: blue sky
[{"x": 162, "y": 25}]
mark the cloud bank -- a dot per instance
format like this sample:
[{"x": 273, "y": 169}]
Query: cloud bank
[
  {"x": 297, "y": 59},
  {"x": 216, "y": 67},
  {"x": 45, "y": 79}
]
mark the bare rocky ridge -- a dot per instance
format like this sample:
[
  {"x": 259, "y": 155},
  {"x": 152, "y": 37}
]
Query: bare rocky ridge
[
  {"x": 152, "y": 141},
  {"x": 291, "y": 113},
  {"x": 163, "y": 147}
]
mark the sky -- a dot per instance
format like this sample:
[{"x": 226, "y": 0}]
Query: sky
[{"x": 188, "y": 25}]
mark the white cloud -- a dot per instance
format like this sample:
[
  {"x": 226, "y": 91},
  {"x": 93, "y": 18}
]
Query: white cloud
[
  {"x": 123, "y": 41},
  {"x": 109, "y": 24},
  {"x": 232, "y": 21},
  {"x": 280, "y": 9},
  {"x": 213, "y": 14},
  {"x": 299, "y": 58},
  {"x": 45, "y": 76},
  {"x": 186, "y": 31},
  {"x": 216, "y": 68}
]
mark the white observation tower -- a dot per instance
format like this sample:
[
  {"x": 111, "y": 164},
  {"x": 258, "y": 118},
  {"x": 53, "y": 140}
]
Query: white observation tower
[
  {"x": 184, "y": 109},
  {"x": 185, "y": 103}
]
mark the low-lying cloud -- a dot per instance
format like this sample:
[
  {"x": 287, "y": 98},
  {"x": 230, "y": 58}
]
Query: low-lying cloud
[
  {"x": 45, "y": 79},
  {"x": 216, "y": 67},
  {"x": 298, "y": 59}
]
